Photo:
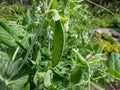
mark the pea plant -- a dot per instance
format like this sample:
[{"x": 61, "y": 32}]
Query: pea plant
[{"x": 51, "y": 48}]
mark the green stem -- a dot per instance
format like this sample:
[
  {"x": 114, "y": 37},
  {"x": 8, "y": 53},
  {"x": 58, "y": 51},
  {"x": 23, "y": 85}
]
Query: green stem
[
  {"x": 16, "y": 51},
  {"x": 89, "y": 76}
]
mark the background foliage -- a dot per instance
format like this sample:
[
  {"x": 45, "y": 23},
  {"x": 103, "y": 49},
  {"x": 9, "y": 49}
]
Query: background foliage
[{"x": 50, "y": 46}]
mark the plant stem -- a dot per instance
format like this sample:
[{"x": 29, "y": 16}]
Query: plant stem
[
  {"x": 16, "y": 51},
  {"x": 89, "y": 76}
]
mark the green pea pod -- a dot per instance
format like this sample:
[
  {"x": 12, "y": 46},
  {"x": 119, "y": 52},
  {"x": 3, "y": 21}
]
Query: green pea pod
[{"x": 59, "y": 40}]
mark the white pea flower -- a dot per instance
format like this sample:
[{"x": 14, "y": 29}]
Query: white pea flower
[{"x": 56, "y": 15}]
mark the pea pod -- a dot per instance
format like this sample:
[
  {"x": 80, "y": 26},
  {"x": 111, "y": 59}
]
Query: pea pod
[{"x": 59, "y": 40}]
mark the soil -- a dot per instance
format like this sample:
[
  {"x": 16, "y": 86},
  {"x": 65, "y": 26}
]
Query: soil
[{"x": 112, "y": 86}]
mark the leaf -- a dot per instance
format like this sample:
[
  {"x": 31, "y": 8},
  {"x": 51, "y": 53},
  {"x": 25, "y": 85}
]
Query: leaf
[
  {"x": 13, "y": 29},
  {"x": 29, "y": 20},
  {"x": 27, "y": 87},
  {"x": 28, "y": 17},
  {"x": 7, "y": 69},
  {"x": 113, "y": 73},
  {"x": 25, "y": 42},
  {"x": 4, "y": 59},
  {"x": 13, "y": 66},
  {"x": 10, "y": 34},
  {"x": 76, "y": 74},
  {"x": 6, "y": 38},
  {"x": 17, "y": 30},
  {"x": 59, "y": 40},
  {"x": 114, "y": 61},
  {"x": 16, "y": 84},
  {"x": 54, "y": 4},
  {"x": 38, "y": 77}
]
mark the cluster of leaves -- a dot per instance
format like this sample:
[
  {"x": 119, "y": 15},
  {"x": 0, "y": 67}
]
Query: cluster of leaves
[{"x": 51, "y": 48}]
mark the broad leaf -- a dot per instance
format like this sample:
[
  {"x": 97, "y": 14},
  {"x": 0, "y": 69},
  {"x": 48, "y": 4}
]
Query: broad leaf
[
  {"x": 7, "y": 69},
  {"x": 15, "y": 84},
  {"x": 27, "y": 87},
  {"x": 17, "y": 30},
  {"x": 114, "y": 61},
  {"x": 4, "y": 58},
  {"x": 6, "y": 38},
  {"x": 13, "y": 29},
  {"x": 11, "y": 34},
  {"x": 113, "y": 73}
]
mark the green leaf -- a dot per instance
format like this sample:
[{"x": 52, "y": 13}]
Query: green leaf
[
  {"x": 10, "y": 34},
  {"x": 54, "y": 4},
  {"x": 7, "y": 69},
  {"x": 28, "y": 17},
  {"x": 29, "y": 21},
  {"x": 15, "y": 84},
  {"x": 114, "y": 61},
  {"x": 17, "y": 30},
  {"x": 113, "y": 73},
  {"x": 14, "y": 30},
  {"x": 38, "y": 77},
  {"x": 76, "y": 74},
  {"x": 6, "y": 38},
  {"x": 27, "y": 87},
  {"x": 4, "y": 58},
  {"x": 59, "y": 40}
]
